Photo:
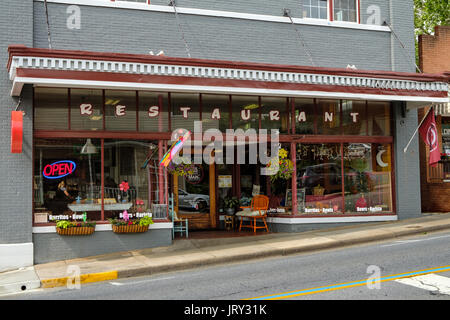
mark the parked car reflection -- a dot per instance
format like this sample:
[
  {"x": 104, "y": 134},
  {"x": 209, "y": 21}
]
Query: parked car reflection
[
  {"x": 327, "y": 175},
  {"x": 193, "y": 201}
]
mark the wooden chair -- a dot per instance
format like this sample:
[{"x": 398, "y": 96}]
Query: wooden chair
[
  {"x": 179, "y": 225},
  {"x": 256, "y": 211}
]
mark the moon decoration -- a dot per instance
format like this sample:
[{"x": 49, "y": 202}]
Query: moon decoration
[{"x": 380, "y": 161}]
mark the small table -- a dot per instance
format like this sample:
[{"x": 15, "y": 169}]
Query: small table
[{"x": 229, "y": 222}]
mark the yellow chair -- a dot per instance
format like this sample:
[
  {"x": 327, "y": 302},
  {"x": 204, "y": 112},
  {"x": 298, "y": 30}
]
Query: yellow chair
[{"x": 256, "y": 211}]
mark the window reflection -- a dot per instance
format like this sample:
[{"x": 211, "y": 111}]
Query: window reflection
[
  {"x": 319, "y": 178},
  {"x": 367, "y": 182}
]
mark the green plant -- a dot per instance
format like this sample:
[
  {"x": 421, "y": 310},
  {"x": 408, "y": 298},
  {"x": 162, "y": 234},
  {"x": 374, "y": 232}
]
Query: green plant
[
  {"x": 64, "y": 224},
  {"x": 231, "y": 202},
  {"x": 145, "y": 221}
]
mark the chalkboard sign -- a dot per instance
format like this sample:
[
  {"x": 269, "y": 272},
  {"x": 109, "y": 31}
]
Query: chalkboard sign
[{"x": 300, "y": 198}]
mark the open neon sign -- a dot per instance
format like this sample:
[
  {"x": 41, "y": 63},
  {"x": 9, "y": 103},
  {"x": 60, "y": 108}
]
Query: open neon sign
[{"x": 59, "y": 169}]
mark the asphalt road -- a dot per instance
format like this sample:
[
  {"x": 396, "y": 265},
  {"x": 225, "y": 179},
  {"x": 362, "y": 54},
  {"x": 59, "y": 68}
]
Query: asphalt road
[{"x": 295, "y": 274}]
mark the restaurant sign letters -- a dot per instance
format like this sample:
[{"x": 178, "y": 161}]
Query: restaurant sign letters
[
  {"x": 59, "y": 169},
  {"x": 245, "y": 114}
]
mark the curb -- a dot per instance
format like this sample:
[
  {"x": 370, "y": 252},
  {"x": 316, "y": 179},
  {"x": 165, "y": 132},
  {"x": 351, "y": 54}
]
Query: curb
[
  {"x": 84, "y": 278},
  {"x": 257, "y": 254}
]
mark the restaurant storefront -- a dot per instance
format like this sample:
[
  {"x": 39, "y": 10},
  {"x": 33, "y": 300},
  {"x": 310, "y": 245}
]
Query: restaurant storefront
[
  {"x": 343, "y": 166},
  {"x": 103, "y": 122}
]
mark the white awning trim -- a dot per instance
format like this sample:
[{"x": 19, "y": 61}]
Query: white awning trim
[
  {"x": 68, "y": 83},
  {"x": 51, "y": 63}
]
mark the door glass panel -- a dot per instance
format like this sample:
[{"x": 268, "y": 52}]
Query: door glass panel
[{"x": 193, "y": 191}]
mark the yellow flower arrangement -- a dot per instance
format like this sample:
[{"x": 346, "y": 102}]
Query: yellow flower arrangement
[{"x": 285, "y": 166}]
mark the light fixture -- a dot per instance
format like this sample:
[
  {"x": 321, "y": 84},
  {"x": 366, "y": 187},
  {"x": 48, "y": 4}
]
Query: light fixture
[{"x": 88, "y": 148}]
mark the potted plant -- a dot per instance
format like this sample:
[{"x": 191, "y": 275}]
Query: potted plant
[
  {"x": 183, "y": 168},
  {"x": 285, "y": 167},
  {"x": 230, "y": 205},
  {"x": 127, "y": 225},
  {"x": 75, "y": 228}
]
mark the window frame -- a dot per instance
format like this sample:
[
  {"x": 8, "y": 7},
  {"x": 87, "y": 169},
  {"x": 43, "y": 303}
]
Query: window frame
[
  {"x": 328, "y": 18},
  {"x": 358, "y": 12}
]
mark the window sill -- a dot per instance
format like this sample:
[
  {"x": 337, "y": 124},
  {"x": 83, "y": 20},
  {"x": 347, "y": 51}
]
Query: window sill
[{"x": 222, "y": 14}]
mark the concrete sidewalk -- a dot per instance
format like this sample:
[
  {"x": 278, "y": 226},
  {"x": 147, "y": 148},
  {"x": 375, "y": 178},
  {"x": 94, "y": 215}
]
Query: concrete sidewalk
[{"x": 191, "y": 253}]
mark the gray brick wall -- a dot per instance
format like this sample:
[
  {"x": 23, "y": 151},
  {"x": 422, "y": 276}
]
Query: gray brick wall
[
  {"x": 135, "y": 31},
  {"x": 249, "y": 6},
  {"x": 407, "y": 171},
  {"x": 16, "y": 25},
  {"x": 52, "y": 247}
]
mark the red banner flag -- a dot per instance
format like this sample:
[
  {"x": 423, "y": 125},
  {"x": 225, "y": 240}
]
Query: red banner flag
[
  {"x": 16, "y": 131},
  {"x": 429, "y": 134}
]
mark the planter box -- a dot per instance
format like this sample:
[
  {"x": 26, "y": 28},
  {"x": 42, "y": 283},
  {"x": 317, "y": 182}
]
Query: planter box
[
  {"x": 76, "y": 231},
  {"x": 135, "y": 228}
]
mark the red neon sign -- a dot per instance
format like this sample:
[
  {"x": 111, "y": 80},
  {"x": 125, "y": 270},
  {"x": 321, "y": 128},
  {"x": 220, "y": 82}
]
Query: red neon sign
[{"x": 59, "y": 169}]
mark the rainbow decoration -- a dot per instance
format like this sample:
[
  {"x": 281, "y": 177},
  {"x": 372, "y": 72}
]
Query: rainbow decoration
[{"x": 170, "y": 154}]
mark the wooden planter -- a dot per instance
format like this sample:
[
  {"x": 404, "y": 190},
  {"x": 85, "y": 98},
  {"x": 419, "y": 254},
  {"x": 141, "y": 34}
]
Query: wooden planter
[
  {"x": 134, "y": 228},
  {"x": 76, "y": 231}
]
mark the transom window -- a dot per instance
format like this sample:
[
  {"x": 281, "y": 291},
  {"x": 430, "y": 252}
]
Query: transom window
[{"x": 316, "y": 9}]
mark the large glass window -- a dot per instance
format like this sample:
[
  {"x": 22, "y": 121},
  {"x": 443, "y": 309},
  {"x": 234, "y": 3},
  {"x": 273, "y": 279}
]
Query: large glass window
[
  {"x": 328, "y": 117},
  {"x": 317, "y": 9},
  {"x": 86, "y": 109},
  {"x": 367, "y": 182},
  {"x": 51, "y": 109},
  {"x": 275, "y": 114},
  {"x": 445, "y": 159},
  {"x": 67, "y": 178},
  {"x": 153, "y": 112},
  {"x": 354, "y": 118},
  {"x": 319, "y": 178},
  {"x": 345, "y": 10},
  {"x": 245, "y": 112},
  {"x": 215, "y": 112},
  {"x": 185, "y": 110},
  {"x": 365, "y": 188},
  {"x": 379, "y": 118},
  {"x": 120, "y": 110},
  {"x": 304, "y": 116},
  {"x": 131, "y": 176}
]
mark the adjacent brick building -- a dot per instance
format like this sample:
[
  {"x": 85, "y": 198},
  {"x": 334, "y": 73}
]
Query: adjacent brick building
[{"x": 434, "y": 56}]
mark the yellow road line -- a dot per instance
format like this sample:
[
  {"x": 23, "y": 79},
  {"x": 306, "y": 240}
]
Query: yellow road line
[{"x": 339, "y": 286}]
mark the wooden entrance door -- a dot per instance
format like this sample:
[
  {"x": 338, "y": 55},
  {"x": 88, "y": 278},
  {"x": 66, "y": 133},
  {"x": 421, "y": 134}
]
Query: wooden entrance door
[{"x": 195, "y": 197}]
